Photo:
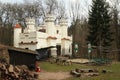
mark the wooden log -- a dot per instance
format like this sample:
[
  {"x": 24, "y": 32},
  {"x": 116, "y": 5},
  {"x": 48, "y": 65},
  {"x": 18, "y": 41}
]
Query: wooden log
[
  {"x": 10, "y": 72},
  {"x": 73, "y": 72},
  {"x": 17, "y": 69},
  {"x": 36, "y": 76},
  {"x": 10, "y": 69},
  {"x": 78, "y": 70},
  {"x": 106, "y": 71},
  {"x": 88, "y": 70},
  {"x": 3, "y": 67},
  {"x": 91, "y": 74},
  {"x": 16, "y": 75}
]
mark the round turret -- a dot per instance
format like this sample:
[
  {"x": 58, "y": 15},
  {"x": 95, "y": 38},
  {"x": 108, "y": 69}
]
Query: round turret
[
  {"x": 64, "y": 27},
  {"x": 17, "y": 31},
  {"x": 63, "y": 22},
  {"x": 50, "y": 18},
  {"x": 30, "y": 22},
  {"x": 50, "y": 25}
]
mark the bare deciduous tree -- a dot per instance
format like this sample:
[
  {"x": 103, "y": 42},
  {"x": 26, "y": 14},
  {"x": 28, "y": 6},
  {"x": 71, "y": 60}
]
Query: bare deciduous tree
[
  {"x": 115, "y": 23},
  {"x": 78, "y": 23}
]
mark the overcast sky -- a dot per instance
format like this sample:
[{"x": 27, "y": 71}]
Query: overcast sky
[
  {"x": 20, "y": 1},
  {"x": 85, "y": 4},
  {"x": 14, "y": 1},
  {"x": 11, "y": 1}
]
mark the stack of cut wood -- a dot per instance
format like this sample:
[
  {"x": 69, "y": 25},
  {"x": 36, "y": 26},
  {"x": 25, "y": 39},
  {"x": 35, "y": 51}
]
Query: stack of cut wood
[
  {"x": 10, "y": 72},
  {"x": 84, "y": 72}
]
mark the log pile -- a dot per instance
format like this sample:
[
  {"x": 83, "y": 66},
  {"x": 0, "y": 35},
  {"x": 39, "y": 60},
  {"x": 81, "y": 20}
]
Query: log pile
[
  {"x": 84, "y": 72},
  {"x": 10, "y": 72}
]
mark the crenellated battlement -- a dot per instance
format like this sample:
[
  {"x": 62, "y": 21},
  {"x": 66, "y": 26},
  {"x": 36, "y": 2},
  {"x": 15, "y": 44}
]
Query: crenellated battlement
[
  {"x": 50, "y": 18},
  {"x": 30, "y": 21},
  {"x": 63, "y": 22},
  {"x": 49, "y": 34}
]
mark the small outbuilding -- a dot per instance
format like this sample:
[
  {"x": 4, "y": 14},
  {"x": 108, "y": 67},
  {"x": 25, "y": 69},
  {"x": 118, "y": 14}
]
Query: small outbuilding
[
  {"x": 44, "y": 53},
  {"x": 17, "y": 56}
]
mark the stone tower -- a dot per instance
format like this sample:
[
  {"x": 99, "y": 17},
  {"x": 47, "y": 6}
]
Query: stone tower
[
  {"x": 30, "y": 22},
  {"x": 17, "y": 31},
  {"x": 50, "y": 26},
  {"x": 64, "y": 27}
]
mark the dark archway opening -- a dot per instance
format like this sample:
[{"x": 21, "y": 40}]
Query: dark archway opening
[{"x": 58, "y": 50}]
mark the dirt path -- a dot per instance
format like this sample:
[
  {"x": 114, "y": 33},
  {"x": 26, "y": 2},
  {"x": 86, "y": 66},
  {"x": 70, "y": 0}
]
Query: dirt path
[{"x": 54, "y": 75}]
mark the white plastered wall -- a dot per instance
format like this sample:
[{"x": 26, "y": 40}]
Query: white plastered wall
[
  {"x": 42, "y": 40},
  {"x": 64, "y": 26},
  {"x": 66, "y": 47},
  {"x": 17, "y": 32},
  {"x": 50, "y": 25},
  {"x": 30, "y": 24},
  {"x": 28, "y": 38},
  {"x": 58, "y": 40}
]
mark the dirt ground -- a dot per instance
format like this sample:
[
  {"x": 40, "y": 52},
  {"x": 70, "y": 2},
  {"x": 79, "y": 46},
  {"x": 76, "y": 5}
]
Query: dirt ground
[
  {"x": 44, "y": 75},
  {"x": 54, "y": 75}
]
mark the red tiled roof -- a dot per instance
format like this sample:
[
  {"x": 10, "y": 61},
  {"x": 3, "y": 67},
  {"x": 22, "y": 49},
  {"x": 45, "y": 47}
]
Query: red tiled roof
[
  {"x": 65, "y": 39},
  {"x": 17, "y": 26},
  {"x": 51, "y": 37}
]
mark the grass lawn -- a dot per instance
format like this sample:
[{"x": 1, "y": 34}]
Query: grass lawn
[{"x": 114, "y": 67}]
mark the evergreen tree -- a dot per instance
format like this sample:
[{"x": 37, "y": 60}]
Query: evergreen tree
[{"x": 100, "y": 34}]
